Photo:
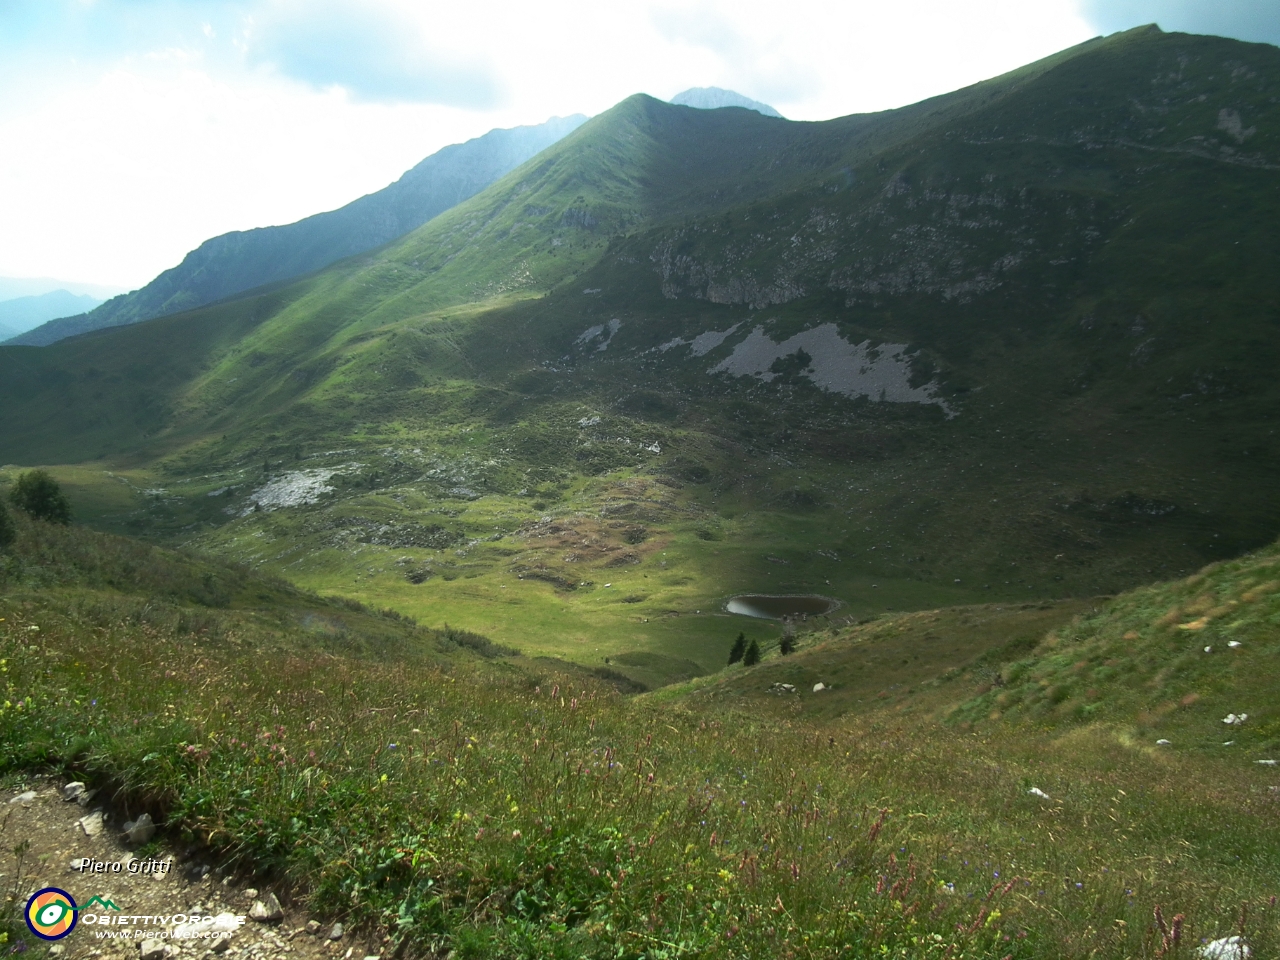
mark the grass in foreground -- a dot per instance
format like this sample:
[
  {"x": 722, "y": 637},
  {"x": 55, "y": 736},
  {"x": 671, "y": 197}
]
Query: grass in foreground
[{"x": 499, "y": 813}]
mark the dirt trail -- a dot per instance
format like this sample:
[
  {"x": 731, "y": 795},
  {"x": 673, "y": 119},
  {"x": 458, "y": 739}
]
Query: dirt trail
[{"x": 162, "y": 885}]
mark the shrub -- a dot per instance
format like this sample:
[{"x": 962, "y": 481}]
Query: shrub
[
  {"x": 787, "y": 645},
  {"x": 38, "y": 494},
  {"x": 739, "y": 648},
  {"x": 752, "y": 656},
  {"x": 7, "y": 532}
]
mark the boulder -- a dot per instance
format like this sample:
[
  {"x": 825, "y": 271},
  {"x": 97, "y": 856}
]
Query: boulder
[
  {"x": 140, "y": 830},
  {"x": 267, "y": 909}
]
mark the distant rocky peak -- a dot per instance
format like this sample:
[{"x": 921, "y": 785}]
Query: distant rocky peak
[{"x": 712, "y": 98}]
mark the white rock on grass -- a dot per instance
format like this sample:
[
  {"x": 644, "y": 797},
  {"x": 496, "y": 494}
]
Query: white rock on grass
[
  {"x": 1268, "y": 763},
  {"x": 1164, "y": 743},
  {"x": 267, "y": 909},
  {"x": 1232, "y": 720},
  {"x": 1227, "y": 948},
  {"x": 1233, "y": 644},
  {"x": 819, "y": 687},
  {"x": 1037, "y": 792},
  {"x": 140, "y": 830}
]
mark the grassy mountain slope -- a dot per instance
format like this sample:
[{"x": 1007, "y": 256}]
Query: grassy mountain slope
[
  {"x": 1165, "y": 662},
  {"x": 491, "y": 811},
  {"x": 1062, "y": 282},
  {"x": 242, "y": 260}
]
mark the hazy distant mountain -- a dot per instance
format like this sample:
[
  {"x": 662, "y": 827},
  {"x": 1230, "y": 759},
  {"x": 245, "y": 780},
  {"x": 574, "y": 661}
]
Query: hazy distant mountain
[
  {"x": 23, "y": 313},
  {"x": 12, "y": 287},
  {"x": 242, "y": 260},
  {"x": 713, "y": 98},
  {"x": 6, "y": 333}
]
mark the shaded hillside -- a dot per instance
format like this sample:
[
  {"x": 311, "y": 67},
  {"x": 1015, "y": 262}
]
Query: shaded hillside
[
  {"x": 239, "y": 261},
  {"x": 1013, "y": 342}
]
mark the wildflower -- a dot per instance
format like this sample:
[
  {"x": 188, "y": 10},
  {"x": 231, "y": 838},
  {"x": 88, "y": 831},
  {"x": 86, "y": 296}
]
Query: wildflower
[{"x": 516, "y": 834}]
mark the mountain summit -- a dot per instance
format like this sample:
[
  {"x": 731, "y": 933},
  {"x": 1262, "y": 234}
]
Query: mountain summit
[
  {"x": 244, "y": 259},
  {"x": 713, "y": 98}
]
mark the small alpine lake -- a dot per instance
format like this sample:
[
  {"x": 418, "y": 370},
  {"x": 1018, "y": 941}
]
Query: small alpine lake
[{"x": 777, "y": 606}]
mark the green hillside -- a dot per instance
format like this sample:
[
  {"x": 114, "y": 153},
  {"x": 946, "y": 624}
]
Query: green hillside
[
  {"x": 1009, "y": 344},
  {"x": 435, "y": 802},
  {"x": 243, "y": 260}
]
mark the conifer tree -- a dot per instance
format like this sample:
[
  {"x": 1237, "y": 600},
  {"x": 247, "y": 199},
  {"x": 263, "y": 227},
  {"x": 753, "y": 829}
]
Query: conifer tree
[
  {"x": 752, "y": 656},
  {"x": 788, "y": 644},
  {"x": 739, "y": 648}
]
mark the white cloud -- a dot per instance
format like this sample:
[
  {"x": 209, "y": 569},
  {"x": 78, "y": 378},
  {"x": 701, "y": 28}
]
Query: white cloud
[{"x": 135, "y": 129}]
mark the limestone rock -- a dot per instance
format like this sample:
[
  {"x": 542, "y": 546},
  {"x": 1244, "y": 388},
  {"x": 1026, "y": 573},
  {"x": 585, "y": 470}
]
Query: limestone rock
[
  {"x": 92, "y": 824},
  {"x": 336, "y": 932},
  {"x": 267, "y": 909},
  {"x": 140, "y": 830},
  {"x": 72, "y": 791}
]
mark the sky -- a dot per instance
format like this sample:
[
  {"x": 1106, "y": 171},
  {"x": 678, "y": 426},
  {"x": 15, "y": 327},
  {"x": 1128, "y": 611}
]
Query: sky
[{"x": 132, "y": 130}]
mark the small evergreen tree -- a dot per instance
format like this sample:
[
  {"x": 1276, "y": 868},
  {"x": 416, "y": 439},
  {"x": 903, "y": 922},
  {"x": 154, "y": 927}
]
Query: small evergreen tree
[
  {"x": 739, "y": 648},
  {"x": 788, "y": 644},
  {"x": 752, "y": 656},
  {"x": 7, "y": 533},
  {"x": 38, "y": 494}
]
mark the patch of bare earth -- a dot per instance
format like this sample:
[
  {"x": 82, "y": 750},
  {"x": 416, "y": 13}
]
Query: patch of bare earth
[{"x": 44, "y": 838}]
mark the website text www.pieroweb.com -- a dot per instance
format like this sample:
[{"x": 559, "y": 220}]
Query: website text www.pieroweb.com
[{"x": 178, "y": 926}]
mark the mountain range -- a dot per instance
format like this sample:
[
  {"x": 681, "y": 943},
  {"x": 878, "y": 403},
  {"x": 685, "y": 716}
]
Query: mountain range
[
  {"x": 980, "y": 393},
  {"x": 239, "y": 261},
  {"x": 1010, "y": 342},
  {"x": 23, "y": 313}
]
